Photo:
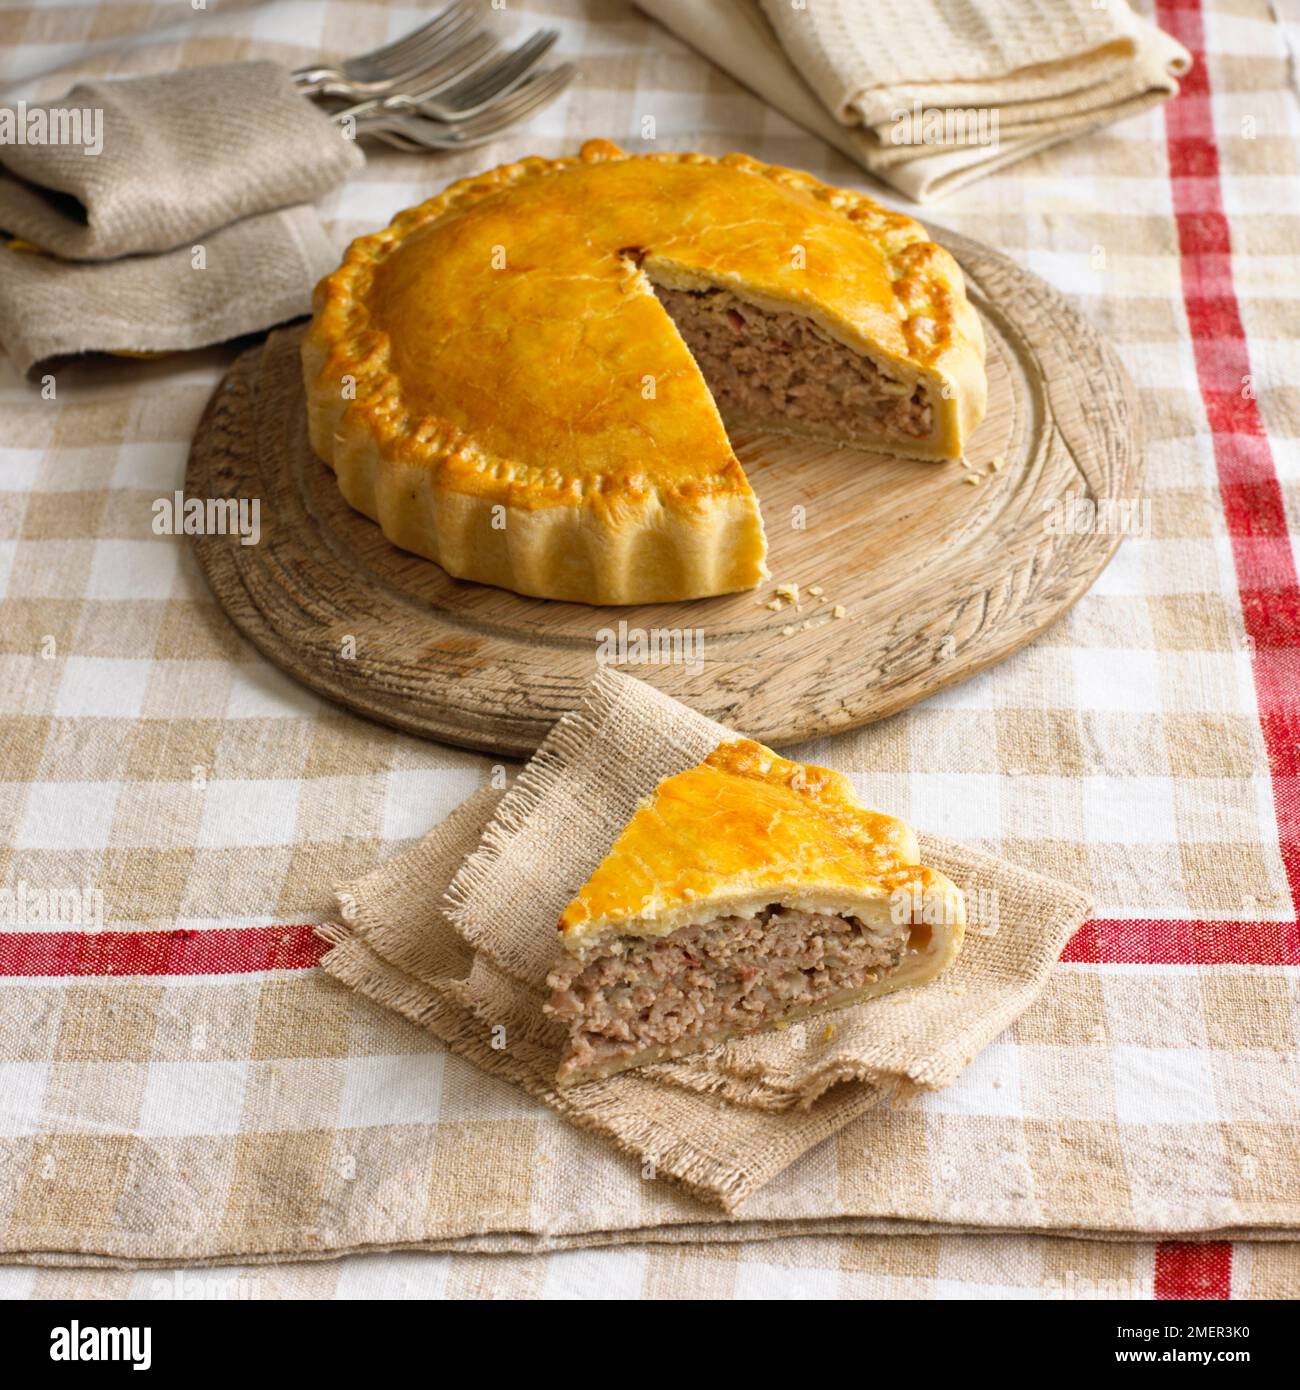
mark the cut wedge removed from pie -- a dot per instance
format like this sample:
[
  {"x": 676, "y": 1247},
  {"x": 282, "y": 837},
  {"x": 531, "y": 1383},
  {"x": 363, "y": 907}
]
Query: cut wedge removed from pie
[
  {"x": 746, "y": 893},
  {"x": 526, "y": 378}
]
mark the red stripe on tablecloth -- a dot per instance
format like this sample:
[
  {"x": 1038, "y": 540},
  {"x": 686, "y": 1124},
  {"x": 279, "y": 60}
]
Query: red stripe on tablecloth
[
  {"x": 1253, "y": 507},
  {"x": 1185, "y": 1269},
  {"x": 217, "y": 951},
  {"x": 1256, "y": 522},
  {"x": 1119, "y": 941},
  {"x": 229, "y": 951}
]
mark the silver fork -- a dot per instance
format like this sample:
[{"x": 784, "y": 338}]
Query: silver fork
[
  {"x": 385, "y": 70},
  {"x": 411, "y": 132},
  {"x": 470, "y": 96}
]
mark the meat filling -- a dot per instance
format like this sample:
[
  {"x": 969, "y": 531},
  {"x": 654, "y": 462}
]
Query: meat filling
[
  {"x": 735, "y": 974},
  {"x": 784, "y": 367}
]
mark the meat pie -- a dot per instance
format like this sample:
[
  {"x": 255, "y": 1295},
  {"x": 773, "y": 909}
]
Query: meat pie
[{"x": 748, "y": 891}]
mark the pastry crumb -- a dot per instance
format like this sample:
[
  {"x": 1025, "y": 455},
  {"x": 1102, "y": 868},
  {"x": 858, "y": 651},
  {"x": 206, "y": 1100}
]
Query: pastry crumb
[
  {"x": 815, "y": 590},
  {"x": 789, "y": 592},
  {"x": 972, "y": 478},
  {"x": 788, "y": 630},
  {"x": 997, "y": 463},
  {"x": 775, "y": 605},
  {"x": 838, "y": 611}
]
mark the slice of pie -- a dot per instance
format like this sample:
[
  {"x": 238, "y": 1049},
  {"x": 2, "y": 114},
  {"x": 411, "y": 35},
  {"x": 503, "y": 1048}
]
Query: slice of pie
[
  {"x": 746, "y": 892},
  {"x": 526, "y": 377}
]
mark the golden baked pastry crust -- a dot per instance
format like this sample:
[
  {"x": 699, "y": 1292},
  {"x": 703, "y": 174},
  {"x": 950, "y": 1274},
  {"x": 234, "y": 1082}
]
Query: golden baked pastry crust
[
  {"x": 493, "y": 380},
  {"x": 743, "y": 829}
]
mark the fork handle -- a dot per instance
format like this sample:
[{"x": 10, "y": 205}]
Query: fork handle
[
  {"x": 361, "y": 108},
  {"x": 313, "y": 81}
]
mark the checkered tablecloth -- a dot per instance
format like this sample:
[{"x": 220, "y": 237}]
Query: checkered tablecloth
[{"x": 1145, "y": 748}]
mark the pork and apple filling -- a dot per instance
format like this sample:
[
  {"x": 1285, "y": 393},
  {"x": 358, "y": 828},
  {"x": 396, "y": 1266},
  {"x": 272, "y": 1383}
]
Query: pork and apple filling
[
  {"x": 783, "y": 367},
  {"x": 735, "y": 974}
]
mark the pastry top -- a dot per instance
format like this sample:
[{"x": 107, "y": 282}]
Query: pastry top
[
  {"x": 740, "y": 830},
  {"x": 505, "y": 333}
]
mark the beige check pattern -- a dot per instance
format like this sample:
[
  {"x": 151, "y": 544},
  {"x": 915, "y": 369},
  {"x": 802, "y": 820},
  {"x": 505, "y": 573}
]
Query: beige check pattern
[{"x": 152, "y": 759}]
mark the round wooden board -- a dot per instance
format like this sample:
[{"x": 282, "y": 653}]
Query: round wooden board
[{"x": 937, "y": 577}]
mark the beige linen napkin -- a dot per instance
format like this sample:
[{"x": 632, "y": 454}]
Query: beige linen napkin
[
  {"x": 929, "y": 96},
  {"x": 256, "y": 273},
  {"x": 178, "y": 218},
  {"x": 183, "y": 153},
  {"x": 470, "y": 966}
]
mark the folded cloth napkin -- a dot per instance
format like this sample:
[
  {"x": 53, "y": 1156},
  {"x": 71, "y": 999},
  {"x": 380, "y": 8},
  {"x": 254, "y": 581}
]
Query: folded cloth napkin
[
  {"x": 470, "y": 963},
  {"x": 256, "y": 273},
  {"x": 163, "y": 212},
  {"x": 181, "y": 154},
  {"x": 929, "y": 95}
]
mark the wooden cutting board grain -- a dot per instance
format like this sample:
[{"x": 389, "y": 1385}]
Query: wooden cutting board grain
[{"x": 936, "y": 576}]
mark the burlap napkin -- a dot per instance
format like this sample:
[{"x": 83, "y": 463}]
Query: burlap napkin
[
  {"x": 189, "y": 193},
  {"x": 929, "y": 96},
  {"x": 470, "y": 964}
]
